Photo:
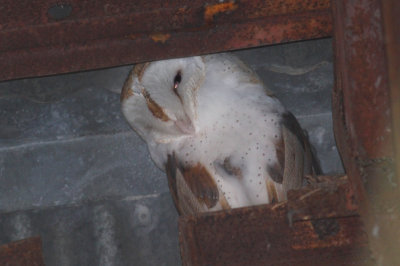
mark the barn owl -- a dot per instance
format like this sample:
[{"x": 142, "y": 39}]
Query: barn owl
[{"x": 224, "y": 140}]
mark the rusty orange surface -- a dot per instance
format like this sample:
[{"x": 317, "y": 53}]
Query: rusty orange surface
[
  {"x": 97, "y": 33},
  {"x": 212, "y": 10}
]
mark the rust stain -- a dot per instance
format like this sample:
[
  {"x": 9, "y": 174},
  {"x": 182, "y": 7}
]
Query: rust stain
[
  {"x": 160, "y": 37},
  {"x": 96, "y": 39},
  {"x": 305, "y": 237},
  {"x": 261, "y": 233},
  {"x": 23, "y": 252},
  {"x": 363, "y": 121},
  {"x": 132, "y": 36},
  {"x": 212, "y": 10}
]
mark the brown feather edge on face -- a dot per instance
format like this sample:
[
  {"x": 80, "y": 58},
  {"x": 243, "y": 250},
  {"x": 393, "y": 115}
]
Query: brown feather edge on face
[
  {"x": 127, "y": 92},
  {"x": 154, "y": 108},
  {"x": 137, "y": 71},
  {"x": 126, "y": 89}
]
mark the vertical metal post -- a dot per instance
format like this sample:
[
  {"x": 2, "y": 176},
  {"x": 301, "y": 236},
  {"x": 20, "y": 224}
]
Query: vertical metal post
[{"x": 362, "y": 112}]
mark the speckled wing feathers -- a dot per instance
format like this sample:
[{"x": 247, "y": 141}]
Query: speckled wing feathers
[
  {"x": 193, "y": 188},
  {"x": 294, "y": 158}
]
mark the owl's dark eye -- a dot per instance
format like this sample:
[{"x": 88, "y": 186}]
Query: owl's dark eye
[{"x": 177, "y": 79}]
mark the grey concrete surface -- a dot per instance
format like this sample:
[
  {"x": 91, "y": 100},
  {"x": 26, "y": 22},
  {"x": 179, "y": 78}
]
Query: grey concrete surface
[
  {"x": 52, "y": 173},
  {"x": 73, "y": 172}
]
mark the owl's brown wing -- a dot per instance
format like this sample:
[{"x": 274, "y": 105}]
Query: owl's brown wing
[
  {"x": 192, "y": 187},
  {"x": 295, "y": 159}
]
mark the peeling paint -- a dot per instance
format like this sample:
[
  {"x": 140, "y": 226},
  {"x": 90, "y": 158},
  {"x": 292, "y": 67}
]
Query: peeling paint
[
  {"x": 160, "y": 37},
  {"x": 212, "y": 10},
  {"x": 132, "y": 36}
]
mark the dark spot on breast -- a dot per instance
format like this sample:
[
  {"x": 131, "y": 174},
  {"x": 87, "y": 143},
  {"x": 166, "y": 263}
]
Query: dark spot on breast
[{"x": 231, "y": 169}]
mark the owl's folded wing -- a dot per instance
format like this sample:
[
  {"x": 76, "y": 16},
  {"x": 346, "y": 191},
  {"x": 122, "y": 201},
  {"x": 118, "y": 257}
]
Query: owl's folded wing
[
  {"x": 194, "y": 190},
  {"x": 295, "y": 159},
  {"x": 192, "y": 187}
]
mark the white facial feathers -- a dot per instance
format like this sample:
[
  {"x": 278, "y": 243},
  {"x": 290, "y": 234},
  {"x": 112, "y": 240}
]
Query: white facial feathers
[
  {"x": 167, "y": 88},
  {"x": 172, "y": 84}
]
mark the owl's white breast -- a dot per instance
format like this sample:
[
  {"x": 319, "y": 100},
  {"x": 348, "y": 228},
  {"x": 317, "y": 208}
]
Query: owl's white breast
[{"x": 236, "y": 119}]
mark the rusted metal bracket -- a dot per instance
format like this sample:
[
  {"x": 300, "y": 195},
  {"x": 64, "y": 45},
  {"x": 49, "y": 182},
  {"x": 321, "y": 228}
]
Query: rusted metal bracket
[
  {"x": 22, "y": 252},
  {"x": 51, "y": 37},
  {"x": 318, "y": 225},
  {"x": 365, "y": 100}
]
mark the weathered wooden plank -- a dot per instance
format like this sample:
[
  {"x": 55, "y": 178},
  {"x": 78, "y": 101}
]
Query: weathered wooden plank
[{"x": 47, "y": 38}]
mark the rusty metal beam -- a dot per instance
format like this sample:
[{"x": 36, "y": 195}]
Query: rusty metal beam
[
  {"x": 318, "y": 225},
  {"x": 362, "y": 115},
  {"x": 22, "y": 252},
  {"x": 45, "y": 37},
  {"x": 391, "y": 11}
]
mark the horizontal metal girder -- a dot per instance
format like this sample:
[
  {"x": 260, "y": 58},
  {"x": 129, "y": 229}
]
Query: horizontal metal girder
[{"x": 42, "y": 37}]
